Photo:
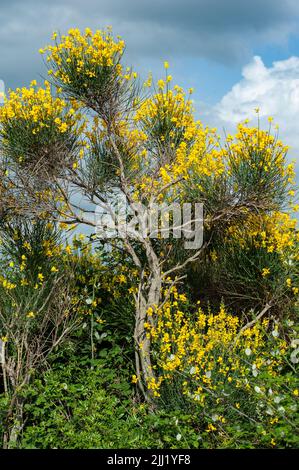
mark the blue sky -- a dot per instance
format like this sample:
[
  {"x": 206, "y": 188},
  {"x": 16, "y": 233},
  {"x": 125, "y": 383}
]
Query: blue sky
[{"x": 236, "y": 54}]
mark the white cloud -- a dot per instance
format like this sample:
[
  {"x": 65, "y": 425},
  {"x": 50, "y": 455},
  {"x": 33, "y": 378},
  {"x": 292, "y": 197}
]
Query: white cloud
[{"x": 274, "y": 90}]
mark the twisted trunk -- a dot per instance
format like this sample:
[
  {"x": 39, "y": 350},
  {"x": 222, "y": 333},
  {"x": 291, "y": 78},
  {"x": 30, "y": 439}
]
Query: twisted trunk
[{"x": 149, "y": 297}]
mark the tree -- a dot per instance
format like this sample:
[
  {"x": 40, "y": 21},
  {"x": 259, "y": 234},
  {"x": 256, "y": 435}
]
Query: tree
[{"x": 98, "y": 135}]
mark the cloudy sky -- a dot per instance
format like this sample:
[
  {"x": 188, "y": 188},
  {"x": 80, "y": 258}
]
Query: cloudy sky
[{"x": 237, "y": 55}]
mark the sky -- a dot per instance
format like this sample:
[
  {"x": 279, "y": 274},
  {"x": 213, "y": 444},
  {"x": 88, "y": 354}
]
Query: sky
[{"x": 237, "y": 55}]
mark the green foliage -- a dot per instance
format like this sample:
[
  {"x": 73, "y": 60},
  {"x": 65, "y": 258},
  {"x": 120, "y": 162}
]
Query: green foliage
[
  {"x": 79, "y": 406},
  {"x": 233, "y": 271},
  {"x": 90, "y": 404}
]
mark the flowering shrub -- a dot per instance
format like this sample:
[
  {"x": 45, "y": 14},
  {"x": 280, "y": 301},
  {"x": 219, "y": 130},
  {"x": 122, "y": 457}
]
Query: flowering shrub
[
  {"x": 38, "y": 129},
  {"x": 224, "y": 371},
  {"x": 252, "y": 264},
  {"x": 87, "y": 67}
]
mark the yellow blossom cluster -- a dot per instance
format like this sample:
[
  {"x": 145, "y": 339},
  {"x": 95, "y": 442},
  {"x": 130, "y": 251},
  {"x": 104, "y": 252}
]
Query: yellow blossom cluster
[
  {"x": 202, "y": 158},
  {"x": 37, "y": 108},
  {"x": 167, "y": 121},
  {"x": 204, "y": 352},
  {"x": 276, "y": 232},
  {"x": 7, "y": 284},
  {"x": 250, "y": 142},
  {"x": 84, "y": 53},
  {"x": 170, "y": 108}
]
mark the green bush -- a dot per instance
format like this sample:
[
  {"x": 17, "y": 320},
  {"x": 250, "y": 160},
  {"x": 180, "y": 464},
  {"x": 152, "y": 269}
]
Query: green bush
[{"x": 91, "y": 404}]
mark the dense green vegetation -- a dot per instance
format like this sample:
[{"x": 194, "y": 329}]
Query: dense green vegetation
[{"x": 82, "y": 396}]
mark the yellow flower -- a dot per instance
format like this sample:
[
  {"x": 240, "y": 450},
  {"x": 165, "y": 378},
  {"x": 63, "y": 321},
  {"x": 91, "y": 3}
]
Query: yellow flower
[
  {"x": 27, "y": 246},
  {"x": 122, "y": 279},
  {"x": 30, "y": 315},
  {"x": 166, "y": 65},
  {"x": 134, "y": 379},
  {"x": 8, "y": 285},
  {"x": 150, "y": 311},
  {"x": 296, "y": 392},
  {"x": 211, "y": 427},
  {"x": 265, "y": 272},
  {"x": 161, "y": 84},
  {"x": 274, "y": 420},
  {"x": 54, "y": 269},
  {"x": 63, "y": 127}
]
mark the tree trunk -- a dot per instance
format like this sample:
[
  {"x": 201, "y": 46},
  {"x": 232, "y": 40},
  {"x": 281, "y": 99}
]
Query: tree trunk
[
  {"x": 146, "y": 300},
  {"x": 14, "y": 423}
]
